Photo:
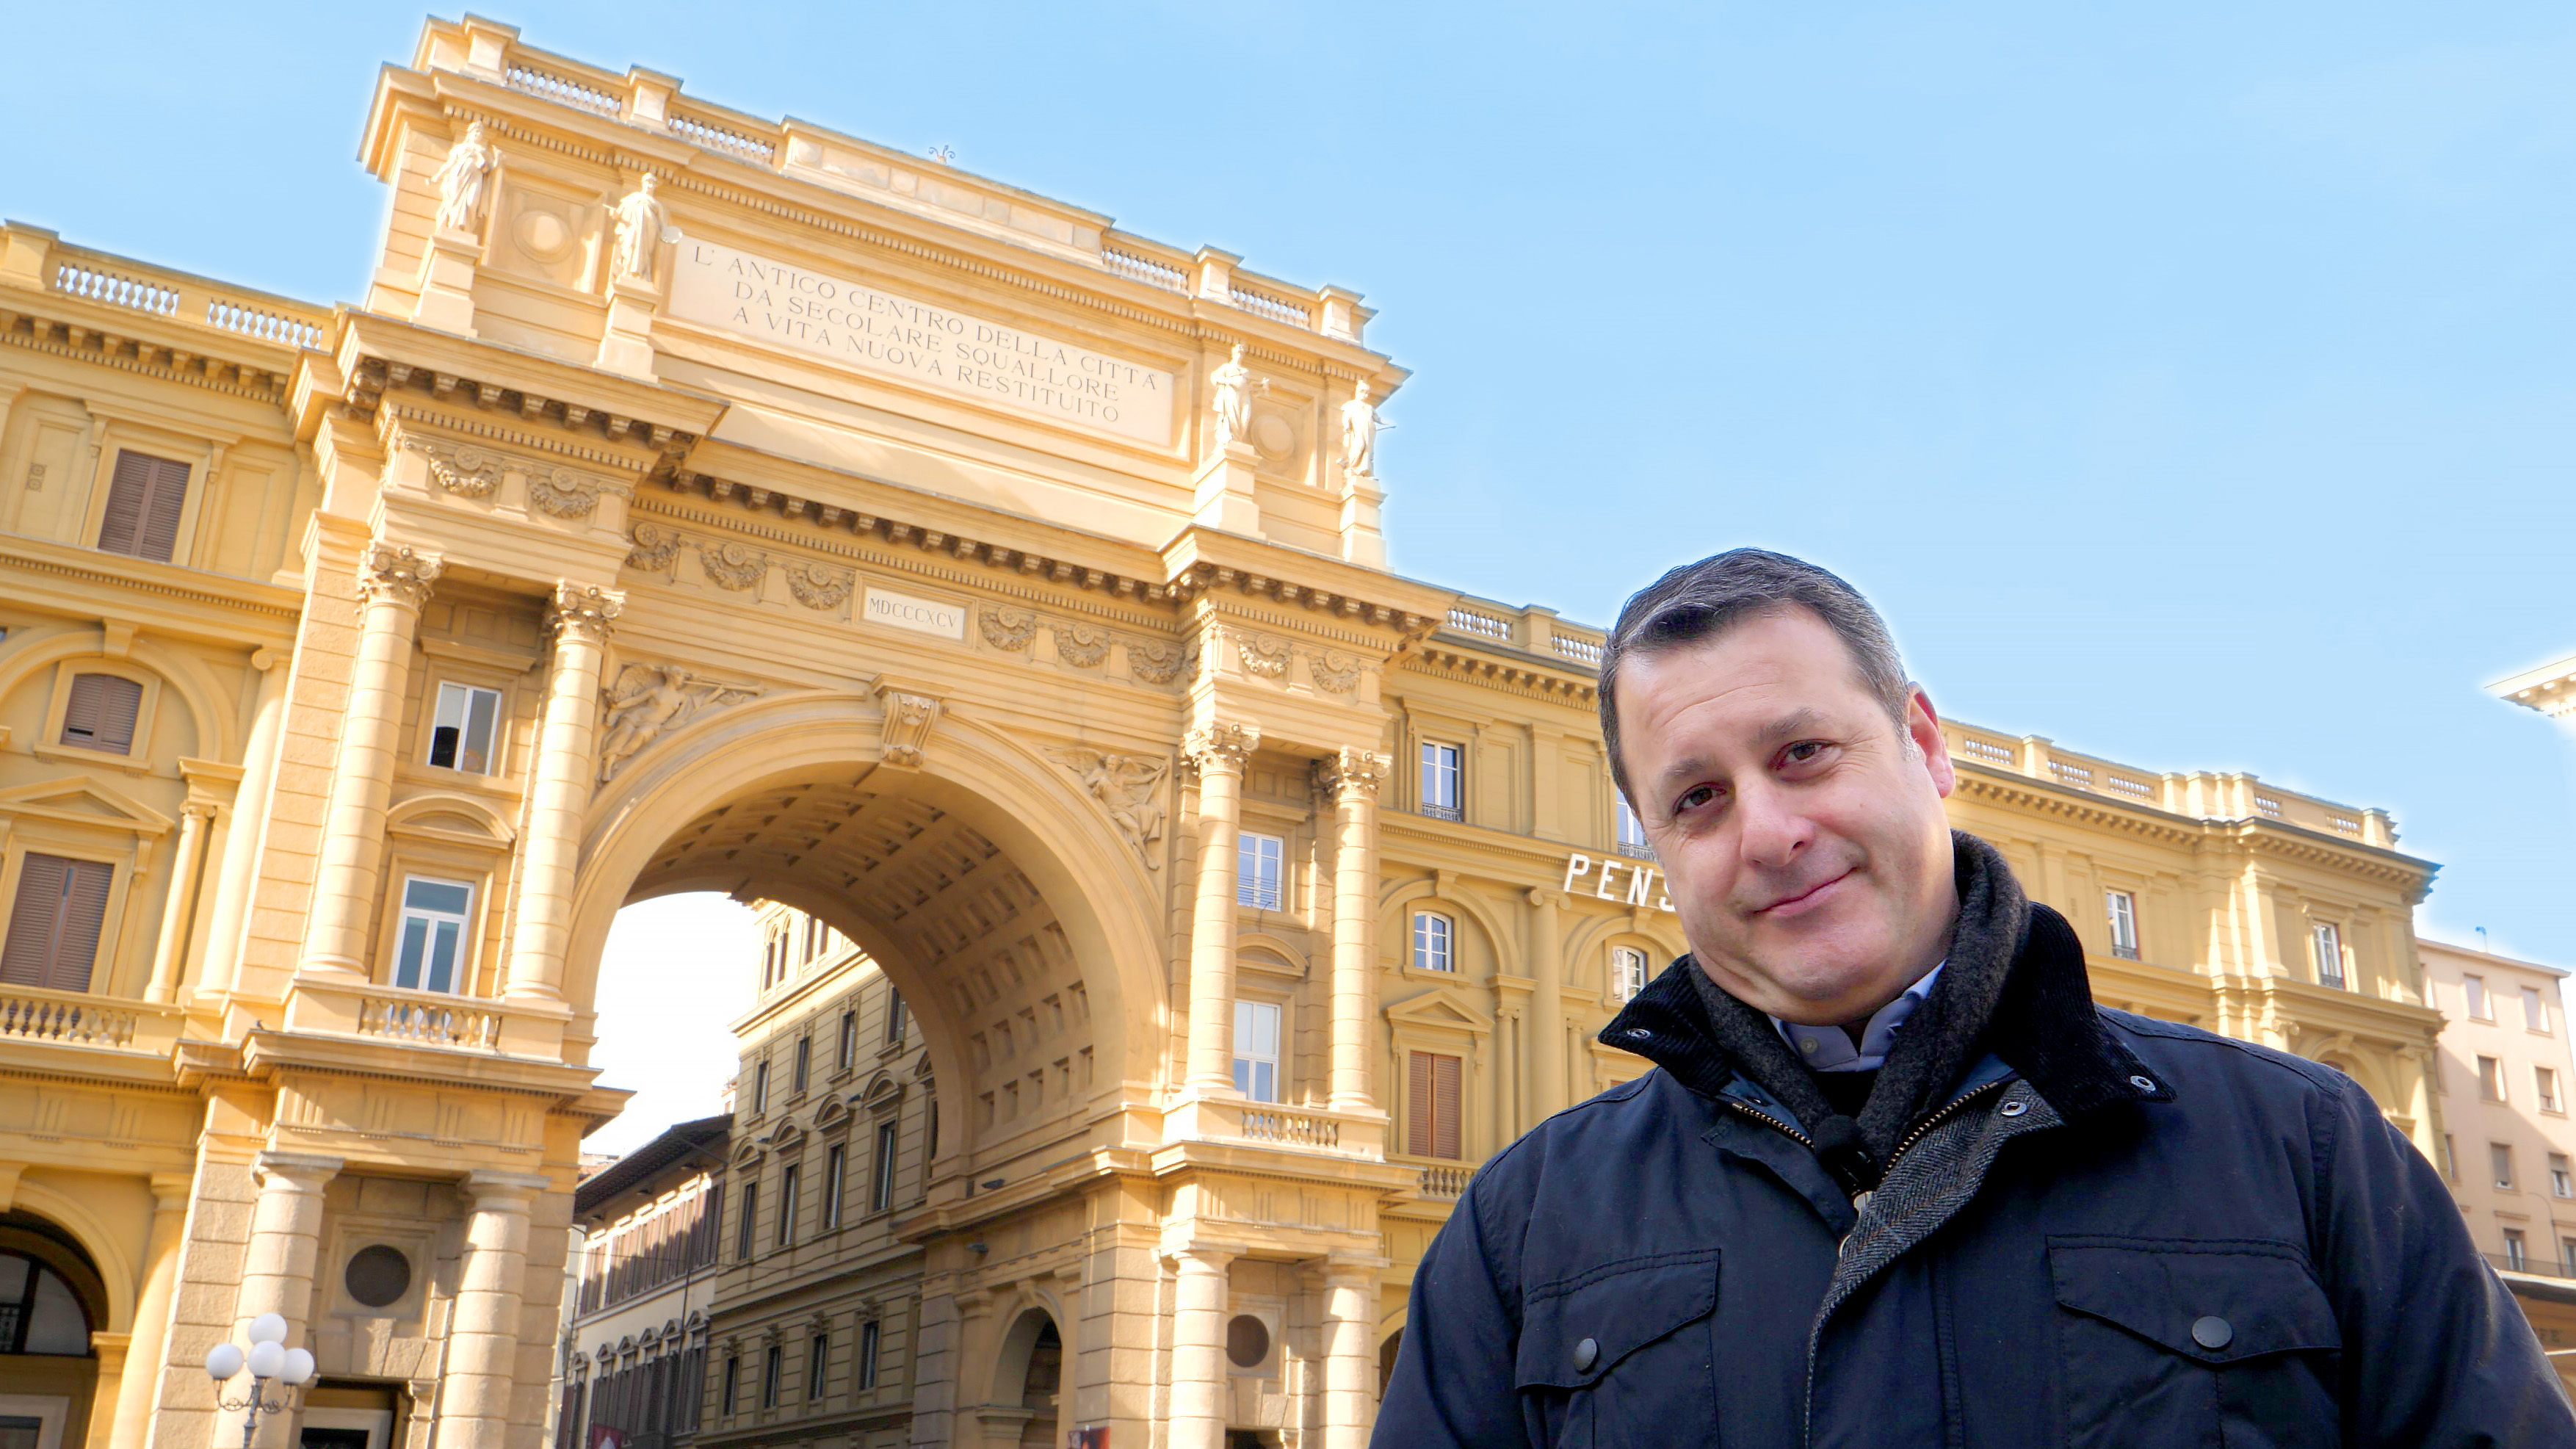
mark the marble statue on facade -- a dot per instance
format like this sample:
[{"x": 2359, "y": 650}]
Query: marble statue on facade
[
  {"x": 1232, "y": 386},
  {"x": 642, "y": 222},
  {"x": 1360, "y": 425},
  {"x": 652, "y": 700},
  {"x": 466, "y": 181}
]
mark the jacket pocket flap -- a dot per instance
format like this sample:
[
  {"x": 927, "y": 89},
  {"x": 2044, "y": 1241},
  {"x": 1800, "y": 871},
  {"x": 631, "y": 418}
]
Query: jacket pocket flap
[
  {"x": 1576, "y": 1329},
  {"x": 2215, "y": 1301}
]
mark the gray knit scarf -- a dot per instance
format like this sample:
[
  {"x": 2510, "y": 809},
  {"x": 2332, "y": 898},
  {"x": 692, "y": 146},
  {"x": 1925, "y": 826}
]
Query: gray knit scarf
[{"x": 1940, "y": 1039}]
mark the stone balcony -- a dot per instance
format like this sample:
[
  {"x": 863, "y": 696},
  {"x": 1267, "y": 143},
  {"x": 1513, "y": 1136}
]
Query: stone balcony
[
  {"x": 1235, "y": 1121},
  {"x": 363, "y": 1010},
  {"x": 157, "y": 317},
  {"x": 82, "y": 1026}
]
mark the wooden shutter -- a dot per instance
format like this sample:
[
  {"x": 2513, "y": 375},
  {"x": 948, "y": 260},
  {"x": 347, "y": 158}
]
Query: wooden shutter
[
  {"x": 145, "y": 498},
  {"x": 1417, "y": 1104},
  {"x": 1445, "y": 1105},
  {"x": 100, "y": 715},
  {"x": 54, "y": 924}
]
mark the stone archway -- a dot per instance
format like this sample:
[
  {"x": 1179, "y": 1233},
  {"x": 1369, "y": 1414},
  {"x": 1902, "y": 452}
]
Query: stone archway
[{"x": 1024, "y": 1405}]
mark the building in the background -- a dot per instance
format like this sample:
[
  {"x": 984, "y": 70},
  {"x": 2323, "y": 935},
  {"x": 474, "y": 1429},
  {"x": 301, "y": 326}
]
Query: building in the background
[
  {"x": 631, "y": 1370},
  {"x": 2508, "y": 1144},
  {"x": 702, "y": 502}
]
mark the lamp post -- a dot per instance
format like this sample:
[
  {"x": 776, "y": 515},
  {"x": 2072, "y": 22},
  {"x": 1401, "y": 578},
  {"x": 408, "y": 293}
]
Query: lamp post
[{"x": 268, "y": 1358}]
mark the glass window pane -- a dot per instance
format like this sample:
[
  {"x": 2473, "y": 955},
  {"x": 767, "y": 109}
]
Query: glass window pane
[
  {"x": 477, "y": 752},
  {"x": 442, "y": 957},
  {"x": 437, "y": 895},
  {"x": 415, "y": 941}
]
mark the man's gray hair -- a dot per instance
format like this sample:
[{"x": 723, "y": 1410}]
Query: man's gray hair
[{"x": 1697, "y": 602}]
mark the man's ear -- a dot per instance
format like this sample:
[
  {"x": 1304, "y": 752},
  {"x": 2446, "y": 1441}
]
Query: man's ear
[{"x": 1923, "y": 727}]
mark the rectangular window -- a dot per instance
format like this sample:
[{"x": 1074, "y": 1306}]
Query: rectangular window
[
  {"x": 2544, "y": 1085},
  {"x": 1627, "y": 972},
  {"x": 2329, "y": 943},
  {"x": 898, "y": 1020},
  {"x": 760, "y": 1088},
  {"x": 1432, "y": 1100},
  {"x": 2535, "y": 1012},
  {"x": 2567, "y": 1257},
  {"x": 1431, "y": 939},
  {"x": 2562, "y": 1180},
  {"x": 2517, "y": 1256},
  {"x": 2474, "y": 990},
  {"x": 1257, "y": 866},
  {"x": 836, "y": 1172},
  {"x": 101, "y": 712},
  {"x": 804, "y": 1064},
  {"x": 2500, "y": 1160},
  {"x": 2450, "y": 1157},
  {"x": 461, "y": 733},
  {"x": 1440, "y": 782},
  {"x": 869, "y": 1334},
  {"x": 2491, "y": 1079},
  {"x": 1631, "y": 832},
  {"x": 881, "y": 1187},
  {"x": 432, "y": 944},
  {"x": 769, "y": 1378},
  {"x": 788, "y": 1183},
  {"x": 744, "y": 1233},
  {"x": 818, "y": 1357},
  {"x": 145, "y": 497},
  {"x": 1256, "y": 1050},
  {"x": 732, "y": 1382},
  {"x": 2123, "y": 908},
  {"x": 845, "y": 1052},
  {"x": 54, "y": 924}
]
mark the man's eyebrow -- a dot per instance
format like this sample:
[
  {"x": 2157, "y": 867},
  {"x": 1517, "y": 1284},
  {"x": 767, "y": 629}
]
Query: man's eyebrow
[{"x": 1804, "y": 721}]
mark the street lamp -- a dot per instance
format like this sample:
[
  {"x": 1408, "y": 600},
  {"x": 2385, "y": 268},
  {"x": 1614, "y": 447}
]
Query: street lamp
[{"x": 269, "y": 1358}]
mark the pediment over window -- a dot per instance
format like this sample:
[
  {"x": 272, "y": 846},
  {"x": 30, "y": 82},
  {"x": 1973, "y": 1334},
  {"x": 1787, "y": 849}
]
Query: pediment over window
[
  {"x": 1439, "y": 1009},
  {"x": 748, "y": 1153},
  {"x": 786, "y": 1136},
  {"x": 83, "y": 800},
  {"x": 881, "y": 1093},
  {"x": 833, "y": 1113}
]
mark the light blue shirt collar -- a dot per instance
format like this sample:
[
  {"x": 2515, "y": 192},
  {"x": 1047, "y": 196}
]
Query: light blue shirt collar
[{"x": 1830, "y": 1049}]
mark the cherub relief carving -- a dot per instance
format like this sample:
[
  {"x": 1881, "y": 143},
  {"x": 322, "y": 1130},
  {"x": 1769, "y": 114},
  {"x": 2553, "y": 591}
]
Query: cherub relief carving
[
  {"x": 1129, "y": 787},
  {"x": 651, "y": 700}
]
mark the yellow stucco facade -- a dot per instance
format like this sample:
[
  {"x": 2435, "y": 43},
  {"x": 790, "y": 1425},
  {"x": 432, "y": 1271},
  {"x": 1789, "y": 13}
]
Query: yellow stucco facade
[{"x": 696, "y": 501}]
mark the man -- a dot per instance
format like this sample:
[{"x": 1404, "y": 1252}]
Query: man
[{"x": 1898, "y": 1180}]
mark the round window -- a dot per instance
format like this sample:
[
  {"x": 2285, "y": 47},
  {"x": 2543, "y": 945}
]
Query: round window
[
  {"x": 1247, "y": 1341},
  {"x": 378, "y": 1275}
]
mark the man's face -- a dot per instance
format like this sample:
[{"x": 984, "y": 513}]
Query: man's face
[{"x": 1800, "y": 830}]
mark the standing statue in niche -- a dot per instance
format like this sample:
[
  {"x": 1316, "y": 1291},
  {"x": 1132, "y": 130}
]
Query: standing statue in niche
[
  {"x": 1360, "y": 425},
  {"x": 1232, "y": 386},
  {"x": 466, "y": 181},
  {"x": 642, "y": 224}
]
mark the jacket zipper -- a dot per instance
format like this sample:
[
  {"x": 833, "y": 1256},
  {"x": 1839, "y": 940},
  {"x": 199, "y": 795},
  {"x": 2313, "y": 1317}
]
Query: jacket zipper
[
  {"x": 1957, "y": 1104},
  {"x": 1801, "y": 1138}
]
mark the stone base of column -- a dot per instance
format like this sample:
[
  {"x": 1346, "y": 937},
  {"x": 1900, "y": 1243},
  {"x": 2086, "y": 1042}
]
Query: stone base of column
[
  {"x": 1363, "y": 541},
  {"x": 447, "y": 281},
  {"x": 627, "y": 346},
  {"x": 1225, "y": 499}
]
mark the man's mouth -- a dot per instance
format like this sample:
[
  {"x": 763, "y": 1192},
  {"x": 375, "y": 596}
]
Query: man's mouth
[{"x": 1807, "y": 900}]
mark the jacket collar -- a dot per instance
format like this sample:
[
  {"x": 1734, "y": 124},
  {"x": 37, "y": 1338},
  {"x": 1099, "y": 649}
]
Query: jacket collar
[{"x": 2045, "y": 1029}]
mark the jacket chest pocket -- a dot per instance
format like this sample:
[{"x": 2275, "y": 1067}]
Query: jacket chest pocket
[
  {"x": 2196, "y": 1343},
  {"x": 1619, "y": 1356}
]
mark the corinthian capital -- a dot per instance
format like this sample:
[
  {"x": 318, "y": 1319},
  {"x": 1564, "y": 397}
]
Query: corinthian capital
[
  {"x": 583, "y": 611},
  {"x": 398, "y": 574},
  {"x": 1222, "y": 747},
  {"x": 1352, "y": 774}
]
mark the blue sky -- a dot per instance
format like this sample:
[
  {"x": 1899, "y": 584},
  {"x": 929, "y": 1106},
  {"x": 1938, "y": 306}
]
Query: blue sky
[{"x": 2189, "y": 384}]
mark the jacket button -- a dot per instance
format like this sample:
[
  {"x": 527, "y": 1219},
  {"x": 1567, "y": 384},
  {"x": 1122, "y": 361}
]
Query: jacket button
[
  {"x": 2212, "y": 1333},
  {"x": 1588, "y": 1352}
]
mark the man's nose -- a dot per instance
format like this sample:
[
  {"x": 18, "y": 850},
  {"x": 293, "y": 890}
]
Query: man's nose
[{"x": 1775, "y": 831}]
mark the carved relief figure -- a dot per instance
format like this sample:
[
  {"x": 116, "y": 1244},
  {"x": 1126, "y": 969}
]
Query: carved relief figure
[
  {"x": 466, "y": 181},
  {"x": 641, "y": 220},
  {"x": 1231, "y": 388},
  {"x": 652, "y": 699},
  {"x": 1129, "y": 787},
  {"x": 1360, "y": 425}
]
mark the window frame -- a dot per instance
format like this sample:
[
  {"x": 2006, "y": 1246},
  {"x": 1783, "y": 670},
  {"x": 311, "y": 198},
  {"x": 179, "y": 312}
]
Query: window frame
[
  {"x": 1422, "y": 1117},
  {"x": 2544, "y": 1091},
  {"x": 1624, "y": 986},
  {"x": 818, "y": 1365},
  {"x": 128, "y": 725},
  {"x": 772, "y": 1371},
  {"x": 1628, "y": 830},
  {"x": 885, "y": 1158},
  {"x": 20, "y": 861},
  {"x": 800, "y": 1071},
  {"x": 836, "y": 1174},
  {"x": 2517, "y": 1251},
  {"x": 112, "y": 450},
  {"x": 871, "y": 1342},
  {"x": 1247, "y": 1074},
  {"x": 2535, "y": 1011},
  {"x": 2477, "y": 1003},
  {"x": 2562, "y": 1176},
  {"x": 746, "y": 1227},
  {"x": 791, "y": 1183},
  {"x": 898, "y": 1020},
  {"x": 845, "y": 1043},
  {"x": 2500, "y": 1166},
  {"x": 2491, "y": 1083},
  {"x": 760, "y": 1086},
  {"x": 2121, "y": 908},
  {"x": 1252, "y": 887},
  {"x": 2326, "y": 943},
  {"x": 732, "y": 1384},
  {"x": 1437, "y": 763},
  {"x": 495, "y": 747},
  {"x": 1418, "y": 954},
  {"x": 135, "y": 759},
  {"x": 464, "y": 967}
]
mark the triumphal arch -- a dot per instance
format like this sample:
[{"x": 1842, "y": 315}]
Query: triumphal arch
[{"x": 701, "y": 502}]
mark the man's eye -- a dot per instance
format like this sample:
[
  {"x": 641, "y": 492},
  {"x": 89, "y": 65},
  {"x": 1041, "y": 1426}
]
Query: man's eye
[
  {"x": 1806, "y": 750},
  {"x": 1693, "y": 799}
]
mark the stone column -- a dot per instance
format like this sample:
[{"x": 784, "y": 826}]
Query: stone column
[
  {"x": 1350, "y": 1352},
  {"x": 474, "y": 1390},
  {"x": 1352, "y": 777},
  {"x": 1547, "y": 1005},
  {"x": 179, "y": 907},
  {"x": 277, "y": 1267},
  {"x": 559, "y": 785},
  {"x": 136, "y": 1391},
  {"x": 1198, "y": 1347},
  {"x": 250, "y": 823},
  {"x": 1220, "y": 752},
  {"x": 395, "y": 582}
]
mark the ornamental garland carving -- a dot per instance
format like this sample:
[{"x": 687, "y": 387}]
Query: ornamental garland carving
[
  {"x": 1263, "y": 655},
  {"x": 652, "y": 700},
  {"x": 462, "y": 469},
  {"x": 1334, "y": 671},
  {"x": 819, "y": 586},
  {"x": 651, "y": 546},
  {"x": 1156, "y": 661},
  {"x": 1081, "y": 645},
  {"x": 1007, "y": 628},
  {"x": 564, "y": 493},
  {"x": 1129, "y": 788},
  {"x": 732, "y": 565}
]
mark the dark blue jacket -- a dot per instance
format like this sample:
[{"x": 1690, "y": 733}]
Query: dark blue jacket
[{"x": 2118, "y": 1231}]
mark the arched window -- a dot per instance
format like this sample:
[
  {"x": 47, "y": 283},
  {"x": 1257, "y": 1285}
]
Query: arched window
[
  {"x": 1627, "y": 972},
  {"x": 1432, "y": 937},
  {"x": 39, "y": 1312}
]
